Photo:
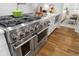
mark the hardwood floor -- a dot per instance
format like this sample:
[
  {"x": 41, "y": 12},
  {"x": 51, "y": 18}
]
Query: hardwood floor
[{"x": 62, "y": 42}]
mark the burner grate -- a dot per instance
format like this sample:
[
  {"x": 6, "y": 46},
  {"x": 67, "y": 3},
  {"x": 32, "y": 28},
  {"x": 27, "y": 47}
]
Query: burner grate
[{"x": 9, "y": 21}]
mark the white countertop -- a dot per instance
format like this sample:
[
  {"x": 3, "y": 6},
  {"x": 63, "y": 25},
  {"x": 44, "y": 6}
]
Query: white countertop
[{"x": 50, "y": 14}]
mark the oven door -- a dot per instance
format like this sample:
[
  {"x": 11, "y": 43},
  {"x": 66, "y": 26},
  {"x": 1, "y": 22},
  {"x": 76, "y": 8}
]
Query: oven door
[
  {"x": 42, "y": 37},
  {"x": 41, "y": 40},
  {"x": 42, "y": 34},
  {"x": 24, "y": 49}
]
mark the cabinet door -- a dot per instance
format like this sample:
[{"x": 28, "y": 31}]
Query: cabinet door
[
  {"x": 51, "y": 25},
  {"x": 77, "y": 27},
  {"x": 52, "y": 21},
  {"x": 4, "y": 51}
]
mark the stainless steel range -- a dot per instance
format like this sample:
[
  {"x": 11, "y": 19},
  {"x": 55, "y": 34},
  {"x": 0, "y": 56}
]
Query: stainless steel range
[{"x": 23, "y": 35}]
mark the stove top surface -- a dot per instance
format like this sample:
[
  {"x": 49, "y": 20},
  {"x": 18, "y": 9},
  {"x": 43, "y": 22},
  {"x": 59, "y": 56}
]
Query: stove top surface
[{"x": 10, "y": 21}]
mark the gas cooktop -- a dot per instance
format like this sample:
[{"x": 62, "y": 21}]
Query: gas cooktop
[{"x": 10, "y": 21}]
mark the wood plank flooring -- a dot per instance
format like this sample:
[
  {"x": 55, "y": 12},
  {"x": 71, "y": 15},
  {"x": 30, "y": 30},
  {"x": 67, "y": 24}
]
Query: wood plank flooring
[{"x": 62, "y": 42}]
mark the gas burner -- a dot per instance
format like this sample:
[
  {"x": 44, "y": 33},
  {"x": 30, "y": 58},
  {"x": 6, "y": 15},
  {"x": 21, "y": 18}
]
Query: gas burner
[{"x": 10, "y": 21}]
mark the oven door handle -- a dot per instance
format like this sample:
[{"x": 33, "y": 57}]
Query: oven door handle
[
  {"x": 23, "y": 42},
  {"x": 42, "y": 30}
]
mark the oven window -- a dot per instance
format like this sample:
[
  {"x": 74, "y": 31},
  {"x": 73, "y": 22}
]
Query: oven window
[
  {"x": 25, "y": 48},
  {"x": 42, "y": 35}
]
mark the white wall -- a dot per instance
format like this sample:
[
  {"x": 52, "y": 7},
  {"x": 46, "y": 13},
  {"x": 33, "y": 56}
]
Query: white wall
[
  {"x": 7, "y": 8},
  {"x": 59, "y": 7},
  {"x": 73, "y": 7},
  {"x": 27, "y": 8}
]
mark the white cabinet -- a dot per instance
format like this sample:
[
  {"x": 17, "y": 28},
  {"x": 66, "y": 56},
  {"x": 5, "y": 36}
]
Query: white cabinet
[
  {"x": 77, "y": 27},
  {"x": 52, "y": 24},
  {"x": 4, "y": 51}
]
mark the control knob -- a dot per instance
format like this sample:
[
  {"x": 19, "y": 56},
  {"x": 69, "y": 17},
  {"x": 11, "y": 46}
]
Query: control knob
[
  {"x": 14, "y": 37},
  {"x": 36, "y": 28},
  {"x": 22, "y": 35}
]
